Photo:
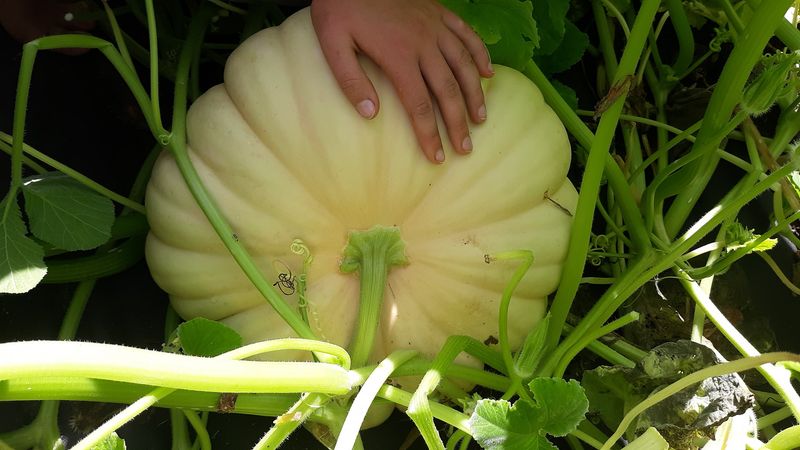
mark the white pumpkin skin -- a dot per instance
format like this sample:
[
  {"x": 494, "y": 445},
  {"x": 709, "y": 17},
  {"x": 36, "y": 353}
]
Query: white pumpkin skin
[{"x": 286, "y": 156}]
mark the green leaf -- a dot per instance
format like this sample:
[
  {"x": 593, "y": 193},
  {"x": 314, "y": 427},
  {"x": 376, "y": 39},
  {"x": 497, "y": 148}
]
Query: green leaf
[
  {"x": 21, "y": 259},
  {"x": 569, "y": 51},
  {"x": 203, "y": 337},
  {"x": 67, "y": 214},
  {"x": 110, "y": 442},
  {"x": 559, "y": 407},
  {"x": 610, "y": 393},
  {"x": 564, "y": 403},
  {"x": 550, "y": 17},
  {"x": 506, "y": 26},
  {"x": 567, "y": 93},
  {"x": 497, "y": 425}
]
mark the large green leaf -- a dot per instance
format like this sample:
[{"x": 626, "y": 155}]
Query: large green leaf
[
  {"x": 563, "y": 404},
  {"x": 21, "y": 259},
  {"x": 558, "y": 408},
  {"x": 568, "y": 52},
  {"x": 67, "y": 214},
  {"x": 550, "y": 17},
  {"x": 506, "y": 26},
  {"x": 498, "y": 425}
]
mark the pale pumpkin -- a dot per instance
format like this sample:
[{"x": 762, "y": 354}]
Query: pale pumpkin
[{"x": 286, "y": 156}]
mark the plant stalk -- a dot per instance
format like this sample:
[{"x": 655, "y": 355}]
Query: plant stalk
[{"x": 371, "y": 253}]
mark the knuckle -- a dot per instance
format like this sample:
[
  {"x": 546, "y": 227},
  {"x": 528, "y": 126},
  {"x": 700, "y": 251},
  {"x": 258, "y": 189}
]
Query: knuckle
[
  {"x": 457, "y": 129},
  {"x": 451, "y": 89},
  {"x": 431, "y": 141},
  {"x": 460, "y": 127},
  {"x": 350, "y": 84},
  {"x": 422, "y": 108},
  {"x": 459, "y": 24},
  {"x": 464, "y": 59}
]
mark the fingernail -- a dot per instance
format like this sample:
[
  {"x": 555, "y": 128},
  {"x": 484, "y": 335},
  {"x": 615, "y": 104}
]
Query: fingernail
[
  {"x": 466, "y": 144},
  {"x": 366, "y": 108},
  {"x": 439, "y": 156},
  {"x": 489, "y": 64},
  {"x": 482, "y": 113}
]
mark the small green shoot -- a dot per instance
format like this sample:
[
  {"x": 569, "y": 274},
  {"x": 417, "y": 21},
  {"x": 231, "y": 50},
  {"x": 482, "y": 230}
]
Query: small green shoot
[
  {"x": 737, "y": 236},
  {"x": 530, "y": 354}
]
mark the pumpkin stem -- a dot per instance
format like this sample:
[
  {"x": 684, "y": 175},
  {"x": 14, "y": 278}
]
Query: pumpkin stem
[{"x": 371, "y": 253}]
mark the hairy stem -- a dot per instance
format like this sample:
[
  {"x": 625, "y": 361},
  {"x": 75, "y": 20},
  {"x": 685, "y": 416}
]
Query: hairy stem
[
  {"x": 371, "y": 253},
  {"x": 726, "y": 96},
  {"x": 592, "y": 177},
  {"x": 128, "y": 364}
]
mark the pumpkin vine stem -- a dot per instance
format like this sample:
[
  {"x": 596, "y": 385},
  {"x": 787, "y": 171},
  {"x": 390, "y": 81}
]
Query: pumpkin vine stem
[
  {"x": 371, "y": 253},
  {"x": 177, "y": 146},
  {"x": 726, "y": 96},
  {"x": 596, "y": 165}
]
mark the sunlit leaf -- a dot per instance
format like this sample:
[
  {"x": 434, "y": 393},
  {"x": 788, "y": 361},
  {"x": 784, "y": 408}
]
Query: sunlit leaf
[
  {"x": 21, "y": 259},
  {"x": 563, "y": 404},
  {"x": 111, "y": 442},
  {"x": 499, "y": 425},
  {"x": 737, "y": 236},
  {"x": 558, "y": 407}
]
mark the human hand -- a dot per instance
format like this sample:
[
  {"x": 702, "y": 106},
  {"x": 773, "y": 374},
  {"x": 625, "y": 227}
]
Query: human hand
[{"x": 423, "y": 48}]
